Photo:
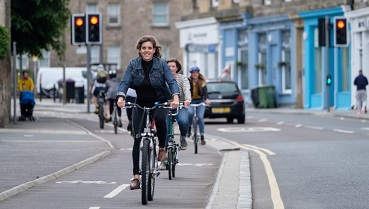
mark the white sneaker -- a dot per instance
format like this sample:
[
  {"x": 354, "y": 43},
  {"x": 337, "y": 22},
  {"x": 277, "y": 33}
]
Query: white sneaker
[{"x": 162, "y": 165}]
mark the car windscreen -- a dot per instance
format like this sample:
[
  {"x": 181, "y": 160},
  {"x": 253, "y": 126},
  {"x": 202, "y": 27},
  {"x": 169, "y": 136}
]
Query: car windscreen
[{"x": 221, "y": 87}]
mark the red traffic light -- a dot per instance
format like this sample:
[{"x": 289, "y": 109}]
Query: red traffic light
[
  {"x": 79, "y": 22},
  {"x": 340, "y": 24},
  {"x": 94, "y": 20}
]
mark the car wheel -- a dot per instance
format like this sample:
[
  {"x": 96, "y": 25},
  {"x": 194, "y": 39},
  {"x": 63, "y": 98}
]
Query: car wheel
[
  {"x": 241, "y": 119},
  {"x": 229, "y": 120}
]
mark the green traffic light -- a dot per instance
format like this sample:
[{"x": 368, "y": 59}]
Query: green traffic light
[{"x": 329, "y": 80}]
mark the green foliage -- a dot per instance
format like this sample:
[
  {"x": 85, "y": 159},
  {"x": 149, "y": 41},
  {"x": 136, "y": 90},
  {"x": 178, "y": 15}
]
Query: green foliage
[
  {"x": 4, "y": 42},
  {"x": 39, "y": 24}
]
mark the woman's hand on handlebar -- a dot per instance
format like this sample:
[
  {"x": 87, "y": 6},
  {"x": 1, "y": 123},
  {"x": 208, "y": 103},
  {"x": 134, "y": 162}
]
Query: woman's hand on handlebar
[
  {"x": 175, "y": 103},
  {"x": 121, "y": 102},
  {"x": 187, "y": 103}
]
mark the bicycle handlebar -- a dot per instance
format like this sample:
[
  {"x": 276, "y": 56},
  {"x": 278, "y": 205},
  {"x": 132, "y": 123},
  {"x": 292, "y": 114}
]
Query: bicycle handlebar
[{"x": 200, "y": 104}]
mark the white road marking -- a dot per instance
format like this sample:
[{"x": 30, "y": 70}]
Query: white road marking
[
  {"x": 251, "y": 129},
  {"x": 280, "y": 123},
  {"x": 315, "y": 127},
  {"x": 116, "y": 191},
  {"x": 84, "y": 182},
  {"x": 298, "y": 125},
  {"x": 263, "y": 120},
  {"x": 365, "y": 128},
  {"x": 343, "y": 131},
  {"x": 94, "y": 207}
]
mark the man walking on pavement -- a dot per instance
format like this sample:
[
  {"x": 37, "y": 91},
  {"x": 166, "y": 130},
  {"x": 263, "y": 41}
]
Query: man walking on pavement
[{"x": 361, "y": 82}]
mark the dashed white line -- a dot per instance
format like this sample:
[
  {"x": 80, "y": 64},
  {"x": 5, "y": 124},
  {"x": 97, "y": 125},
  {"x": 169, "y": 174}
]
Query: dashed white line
[
  {"x": 343, "y": 131},
  {"x": 315, "y": 127},
  {"x": 116, "y": 191}
]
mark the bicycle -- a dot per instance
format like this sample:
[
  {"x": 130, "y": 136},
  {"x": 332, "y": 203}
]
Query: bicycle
[
  {"x": 195, "y": 136},
  {"x": 172, "y": 147},
  {"x": 101, "y": 102},
  {"x": 148, "y": 154}
]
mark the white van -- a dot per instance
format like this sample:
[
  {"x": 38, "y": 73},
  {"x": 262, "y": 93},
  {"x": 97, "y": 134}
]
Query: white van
[{"x": 49, "y": 76}]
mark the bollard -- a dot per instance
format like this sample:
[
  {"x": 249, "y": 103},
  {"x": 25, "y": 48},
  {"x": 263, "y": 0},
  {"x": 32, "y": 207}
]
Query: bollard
[
  {"x": 54, "y": 95},
  {"x": 40, "y": 92}
]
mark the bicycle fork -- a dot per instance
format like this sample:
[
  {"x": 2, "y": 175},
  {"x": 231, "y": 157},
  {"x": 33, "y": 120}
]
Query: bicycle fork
[{"x": 152, "y": 155}]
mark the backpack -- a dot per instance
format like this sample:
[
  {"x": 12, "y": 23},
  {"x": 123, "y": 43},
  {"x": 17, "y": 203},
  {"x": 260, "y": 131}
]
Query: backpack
[{"x": 101, "y": 76}]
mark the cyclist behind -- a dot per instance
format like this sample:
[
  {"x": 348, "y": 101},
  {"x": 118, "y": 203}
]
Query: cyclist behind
[
  {"x": 199, "y": 94},
  {"x": 153, "y": 81},
  {"x": 130, "y": 97},
  {"x": 111, "y": 91},
  {"x": 185, "y": 97},
  {"x": 99, "y": 83}
]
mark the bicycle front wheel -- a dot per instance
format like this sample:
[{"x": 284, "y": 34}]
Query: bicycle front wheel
[
  {"x": 145, "y": 171},
  {"x": 195, "y": 138},
  {"x": 170, "y": 162}
]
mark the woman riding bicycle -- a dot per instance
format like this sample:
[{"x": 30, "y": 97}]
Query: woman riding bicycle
[
  {"x": 153, "y": 81},
  {"x": 199, "y": 94}
]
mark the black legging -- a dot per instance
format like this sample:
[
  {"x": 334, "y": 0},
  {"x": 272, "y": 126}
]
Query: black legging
[
  {"x": 113, "y": 102},
  {"x": 159, "y": 115}
]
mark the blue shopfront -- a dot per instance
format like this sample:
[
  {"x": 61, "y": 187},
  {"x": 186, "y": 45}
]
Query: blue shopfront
[
  {"x": 261, "y": 52},
  {"x": 317, "y": 95}
]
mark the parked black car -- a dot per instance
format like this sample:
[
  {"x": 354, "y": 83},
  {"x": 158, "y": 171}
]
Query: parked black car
[{"x": 226, "y": 101}]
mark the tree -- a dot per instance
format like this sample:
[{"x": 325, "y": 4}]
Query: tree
[{"x": 39, "y": 24}]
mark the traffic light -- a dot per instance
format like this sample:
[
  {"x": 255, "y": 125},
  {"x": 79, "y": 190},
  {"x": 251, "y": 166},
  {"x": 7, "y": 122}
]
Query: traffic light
[
  {"x": 340, "y": 32},
  {"x": 329, "y": 80},
  {"x": 78, "y": 35},
  {"x": 94, "y": 29}
]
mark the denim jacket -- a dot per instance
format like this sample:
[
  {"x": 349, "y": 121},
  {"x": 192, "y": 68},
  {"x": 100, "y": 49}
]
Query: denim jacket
[{"x": 161, "y": 78}]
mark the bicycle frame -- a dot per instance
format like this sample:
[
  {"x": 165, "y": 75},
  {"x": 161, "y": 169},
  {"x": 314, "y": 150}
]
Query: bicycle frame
[{"x": 172, "y": 147}]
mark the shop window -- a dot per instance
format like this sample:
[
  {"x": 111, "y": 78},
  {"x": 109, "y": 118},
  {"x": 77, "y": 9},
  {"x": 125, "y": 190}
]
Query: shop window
[
  {"x": 113, "y": 14},
  {"x": 317, "y": 66},
  {"x": 285, "y": 63},
  {"x": 261, "y": 65},
  {"x": 160, "y": 14},
  {"x": 345, "y": 69}
]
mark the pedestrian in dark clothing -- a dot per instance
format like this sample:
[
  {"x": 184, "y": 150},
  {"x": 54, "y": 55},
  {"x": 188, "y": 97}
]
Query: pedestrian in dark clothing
[{"x": 361, "y": 82}]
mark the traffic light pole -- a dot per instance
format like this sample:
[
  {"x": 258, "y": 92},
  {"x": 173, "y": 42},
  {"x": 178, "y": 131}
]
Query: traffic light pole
[
  {"x": 327, "y": 59},
  {"x": 88, "y": 46}
]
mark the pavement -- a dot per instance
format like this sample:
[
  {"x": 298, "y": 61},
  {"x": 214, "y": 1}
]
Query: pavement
[{"x": 229, "y": 191}]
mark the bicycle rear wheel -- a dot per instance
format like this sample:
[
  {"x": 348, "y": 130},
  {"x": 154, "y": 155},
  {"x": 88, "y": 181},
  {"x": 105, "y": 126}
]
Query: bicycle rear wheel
[
  {"x": 170, "y": 162},
  {"x": 101, "y": 115},
  {"x": 195, "y": 138},
  {"x": 145, "y": 171}
]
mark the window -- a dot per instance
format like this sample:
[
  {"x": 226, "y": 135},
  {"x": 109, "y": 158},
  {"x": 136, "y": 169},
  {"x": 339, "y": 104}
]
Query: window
[
  {"x": 95, "y": 54},
  {"x": 160, "y": 14},
  {"x": 236, "y": 1},
  {"x": 286, "y": 59},
  {"x": 345, "y": 69},
  {"x": 262, "y": 60},
  {"x": 25, "y": 61},
  {"x": 45, "y": 61},
  {"x": 287, "y": 0},
  {"x": 267, "y": 2},
  {"x": 92, "y": 8},
  {"x": 317, "y": 72},
  {"x": 113, "y": 14},
  {"x": 114, "y": 55},
  {"x": 214, "y": 3}
]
